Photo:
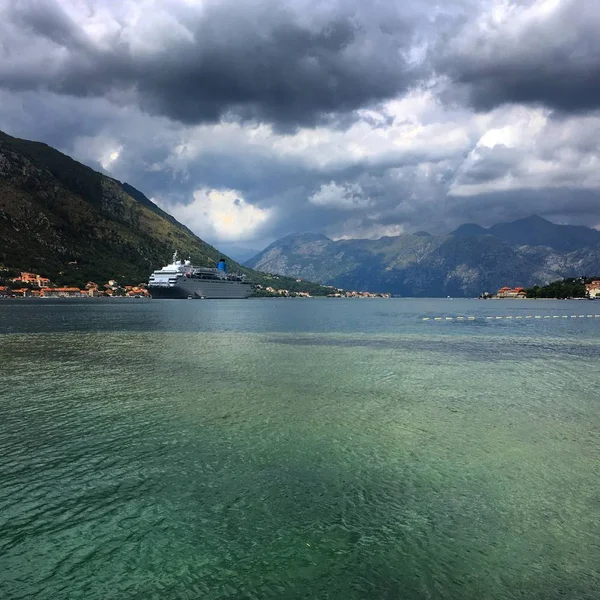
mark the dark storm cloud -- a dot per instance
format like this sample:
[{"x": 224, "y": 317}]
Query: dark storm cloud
[
  {"x": 569, "y": 206},
  {"x": 47, "y": 20},
  {"x": 172, "y": 93},
  {"x": 264, "y": 61},
  {"x": 56, "y": 120},
  {"x": 540, "y": 54}
]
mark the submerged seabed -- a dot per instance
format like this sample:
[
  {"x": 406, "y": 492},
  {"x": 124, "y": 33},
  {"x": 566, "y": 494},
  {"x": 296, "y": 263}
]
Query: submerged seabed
[{"x": 290, "y": 465}]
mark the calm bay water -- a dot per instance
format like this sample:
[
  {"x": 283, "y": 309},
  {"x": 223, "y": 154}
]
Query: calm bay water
[{"x": 306, "y": 449}]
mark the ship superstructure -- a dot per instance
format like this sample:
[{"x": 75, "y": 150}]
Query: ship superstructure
[{"x": 181, "y": 279}]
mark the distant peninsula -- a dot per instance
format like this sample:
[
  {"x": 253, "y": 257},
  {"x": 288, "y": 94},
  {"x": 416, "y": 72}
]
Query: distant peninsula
[{"x": 564, "y": 289}]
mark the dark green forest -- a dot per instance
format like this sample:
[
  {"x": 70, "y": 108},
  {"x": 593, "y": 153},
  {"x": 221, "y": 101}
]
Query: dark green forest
[{"x": 562, "y": 289}]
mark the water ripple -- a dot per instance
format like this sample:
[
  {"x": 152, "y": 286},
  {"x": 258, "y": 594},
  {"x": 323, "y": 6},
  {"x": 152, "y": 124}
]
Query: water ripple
[{"x": 214, "y": 465}]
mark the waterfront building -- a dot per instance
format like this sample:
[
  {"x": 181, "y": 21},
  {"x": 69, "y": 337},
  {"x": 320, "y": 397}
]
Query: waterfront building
[
  {"x": 21, "y": 292},
  {"x": 593, "y": 289},
  {"x": 507, "y": 292},
  {"x": 32, "y": 279}
]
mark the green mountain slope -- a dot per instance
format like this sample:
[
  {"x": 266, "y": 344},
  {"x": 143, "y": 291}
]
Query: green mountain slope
[
  {"x": 466, "y": 263},
  {"x": 59, "y": 216}
]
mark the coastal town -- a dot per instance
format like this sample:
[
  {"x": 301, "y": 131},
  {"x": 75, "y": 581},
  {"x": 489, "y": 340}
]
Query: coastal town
[
  {"x": 33, "y": 285},
  {"x": 335, "y": 292}
]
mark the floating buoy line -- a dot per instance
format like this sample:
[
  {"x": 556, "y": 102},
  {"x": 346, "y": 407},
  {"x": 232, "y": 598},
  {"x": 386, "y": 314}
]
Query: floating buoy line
[{"x": 510, "y": 317}]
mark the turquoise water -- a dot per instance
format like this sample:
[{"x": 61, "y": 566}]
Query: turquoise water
[{"x": 306, "y": 449}]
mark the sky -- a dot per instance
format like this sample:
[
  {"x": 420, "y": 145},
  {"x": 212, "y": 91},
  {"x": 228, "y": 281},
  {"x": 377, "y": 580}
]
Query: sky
[{"x": 252, "y": 120}]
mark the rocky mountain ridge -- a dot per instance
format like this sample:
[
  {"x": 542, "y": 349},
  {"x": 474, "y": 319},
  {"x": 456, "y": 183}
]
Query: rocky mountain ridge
[{"x": 466, "y": 262}]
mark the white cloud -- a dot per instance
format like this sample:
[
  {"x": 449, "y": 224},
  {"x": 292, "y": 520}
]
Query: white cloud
[
  {"x": 103, "y": 148},
  {"x": 529, "y": 150},
  {"x": 222, "y": 215},
  {"x": 397, "y": 131},
  {"x": 109, "y": 157},
  {"x": 508, "y": 21},
  {"x": 344, "y": 197},
  {"x": 356, "y": 230}
]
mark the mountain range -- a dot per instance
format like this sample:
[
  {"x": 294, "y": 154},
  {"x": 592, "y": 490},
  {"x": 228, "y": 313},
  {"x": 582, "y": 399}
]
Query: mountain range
[{"x": 466, "y": 262}]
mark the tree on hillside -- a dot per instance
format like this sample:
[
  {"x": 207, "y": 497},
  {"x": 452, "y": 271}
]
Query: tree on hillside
[{"x": 566, "y": 288}]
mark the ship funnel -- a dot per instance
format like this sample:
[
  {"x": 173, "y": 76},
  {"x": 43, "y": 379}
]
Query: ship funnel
[{"x": 222, "y": 266}]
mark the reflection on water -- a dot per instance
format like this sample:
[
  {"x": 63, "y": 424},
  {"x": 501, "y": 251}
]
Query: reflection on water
[{"x": 243, "y": 462}]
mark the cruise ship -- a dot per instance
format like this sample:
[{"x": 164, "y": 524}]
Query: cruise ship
[{"x": 181, "y": 279}]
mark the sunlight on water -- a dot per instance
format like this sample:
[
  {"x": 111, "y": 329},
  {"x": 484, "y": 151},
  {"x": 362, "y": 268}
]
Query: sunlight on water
[{"x": 414, "y": 464}]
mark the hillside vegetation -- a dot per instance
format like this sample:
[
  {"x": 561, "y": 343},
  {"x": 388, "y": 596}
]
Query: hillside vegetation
[{"x": 565, "y": 288}]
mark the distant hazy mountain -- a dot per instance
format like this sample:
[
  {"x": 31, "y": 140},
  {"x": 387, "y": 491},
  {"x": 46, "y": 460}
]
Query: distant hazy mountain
[
  {"x": 467, "y": 262},
  {"x": 535, "y": 231}
]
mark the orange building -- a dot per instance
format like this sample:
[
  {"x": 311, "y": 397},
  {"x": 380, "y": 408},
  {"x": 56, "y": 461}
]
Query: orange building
[
  {"x": 134, "y": 291},
  {"x": 507, "y": 292},
  {"x": 593, "y": 289},
  {"x": 32, "y": 279}
]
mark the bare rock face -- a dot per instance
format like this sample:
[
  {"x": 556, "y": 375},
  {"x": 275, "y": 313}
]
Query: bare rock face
[
  {"x": 18, "y": 170},
  {"x": 113, "y": 199}
]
